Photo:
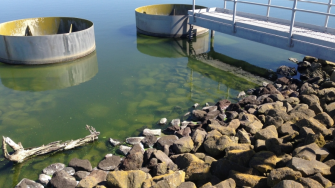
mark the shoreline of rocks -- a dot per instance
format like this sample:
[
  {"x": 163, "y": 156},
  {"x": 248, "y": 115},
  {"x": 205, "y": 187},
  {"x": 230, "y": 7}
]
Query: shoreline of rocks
[{"x": 279, "y": 135}]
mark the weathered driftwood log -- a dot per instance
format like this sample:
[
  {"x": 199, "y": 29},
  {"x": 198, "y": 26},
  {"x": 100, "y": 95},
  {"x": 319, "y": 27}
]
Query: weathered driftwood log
[{"x": 20, "y": 154}]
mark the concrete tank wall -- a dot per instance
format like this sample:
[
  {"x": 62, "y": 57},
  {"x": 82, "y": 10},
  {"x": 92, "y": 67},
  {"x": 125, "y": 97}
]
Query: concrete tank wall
[
  {"x": 165, "y": 20},
  {"x": 50, "y": 42}
]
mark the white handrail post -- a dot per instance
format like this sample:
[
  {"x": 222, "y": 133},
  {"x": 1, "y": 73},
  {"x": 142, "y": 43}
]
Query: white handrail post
[
  {"x": 193, "y": 10},
  {"x": 234, "y": 16},
  {"x": 224, "y": 4},
  {"x": 328, "y": 11},
  {"x": 268, "y": 11},
  {"x": 292, "y": 22}
]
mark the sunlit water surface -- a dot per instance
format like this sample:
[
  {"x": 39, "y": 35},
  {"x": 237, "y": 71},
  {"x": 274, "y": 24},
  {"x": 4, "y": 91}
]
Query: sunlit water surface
[{"x": 129, "y": 83}]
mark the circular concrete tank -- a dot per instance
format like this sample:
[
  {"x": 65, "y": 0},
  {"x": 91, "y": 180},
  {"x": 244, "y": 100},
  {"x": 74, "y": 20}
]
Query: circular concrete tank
[
  {"x": 49, "y": 77},
  {"x": 166, "y": 20},
  {"x": 45, "y": 40}
]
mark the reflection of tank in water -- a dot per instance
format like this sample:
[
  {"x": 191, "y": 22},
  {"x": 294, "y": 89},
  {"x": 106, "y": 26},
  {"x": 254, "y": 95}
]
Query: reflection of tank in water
[
  {"x": 45, "y": 40},
  {"x": 49, "y": 77},
  {"x": 167, "y": 47},
  {"x": 166, "y": 20}
]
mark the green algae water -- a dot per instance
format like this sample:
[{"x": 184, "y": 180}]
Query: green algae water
[{"x": 128, "y": 84}]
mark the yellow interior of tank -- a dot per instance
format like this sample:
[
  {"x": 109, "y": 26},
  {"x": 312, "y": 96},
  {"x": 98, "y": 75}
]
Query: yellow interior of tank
[
  {"x": 43, "y": 26},
  {"x": 167, "y": 9}
]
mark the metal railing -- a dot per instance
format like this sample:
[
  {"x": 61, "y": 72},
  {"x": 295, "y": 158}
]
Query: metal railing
[{"x": 294, "y": 9}]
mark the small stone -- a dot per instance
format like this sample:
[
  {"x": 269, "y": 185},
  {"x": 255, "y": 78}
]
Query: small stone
[
  {"x": 175, "y": 122},
  {"x": 108, "y": 155},
  {"x": 51, "y": 169},
  {"x": 114, "y": 142},
  {"x": 124, "y": 149},
  {"x": 155, "y": 132},
  {"x": 27, "y": 183},
  {"x": 44, "y": 179},
  {"x": 134, "y": 140},
  {"x": 163, "y": 121}
]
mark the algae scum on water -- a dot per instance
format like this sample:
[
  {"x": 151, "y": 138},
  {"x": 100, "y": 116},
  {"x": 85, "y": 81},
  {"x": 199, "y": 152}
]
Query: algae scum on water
[{"x": 40, "y": 108}]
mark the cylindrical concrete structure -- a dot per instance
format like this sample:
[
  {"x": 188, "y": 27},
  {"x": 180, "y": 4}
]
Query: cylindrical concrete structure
[
  {"x": 49, "y": 77},
  {"x": 45, "y": 40},
  {"x": 166, "y": 20}
]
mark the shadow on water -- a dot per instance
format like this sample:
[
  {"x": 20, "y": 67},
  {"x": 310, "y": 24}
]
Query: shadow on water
[
  {"x": 49, "y": 77},
  {"x": 201, "y": 47}
]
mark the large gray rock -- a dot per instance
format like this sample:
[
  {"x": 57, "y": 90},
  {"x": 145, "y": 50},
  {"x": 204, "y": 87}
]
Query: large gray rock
[
  {"x": 167, "y": 140},
  {"x": 134, "y": 159},
  {"x": 243, "y": 136},
  {"x": 61, "y": 179},
  {"x": 215, "y": 145},
  {"x": 322, "y": 180},
  {"x": 301, "y": 111},
  {"x": 188, "y": 184},
  {"x": 198, "y": 138},
  {"x": 162, "y": 157},
  {"x": 248, "y": 180},
  {"x": 315, "y": 125},
  {"x": 109, "y": 163},
  {"x": 183, "y": 145},
  {"x": 27, "y": 183},
  {"x": 263, "y": 161},
  {"x": 279, "y": 174},
  {"x": 250, "y": 123},
  {"x": 288, "y": 184},
  {"x": 308, "y": 168},
  {"x": 79, "y": 164},
  {"x": 96, "y": 177},
  {"x": 214, "y": 125},
  {"x": 325, "y": 119},
  {"x": 81, "y": 175},
  {"x": 310, "y": 183},
  {"x": 51, "y": 169},
  {"x": 149, "y": 141},
  {"x": 228, "y": 183},
  {"x": 267, "y": 133}
]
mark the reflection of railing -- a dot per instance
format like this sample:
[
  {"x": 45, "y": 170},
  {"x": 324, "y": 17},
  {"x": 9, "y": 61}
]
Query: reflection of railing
[{"x": 294, "y": 9}]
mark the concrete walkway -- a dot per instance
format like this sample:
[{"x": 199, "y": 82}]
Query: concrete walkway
[{"x": 306, "y": 39}]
